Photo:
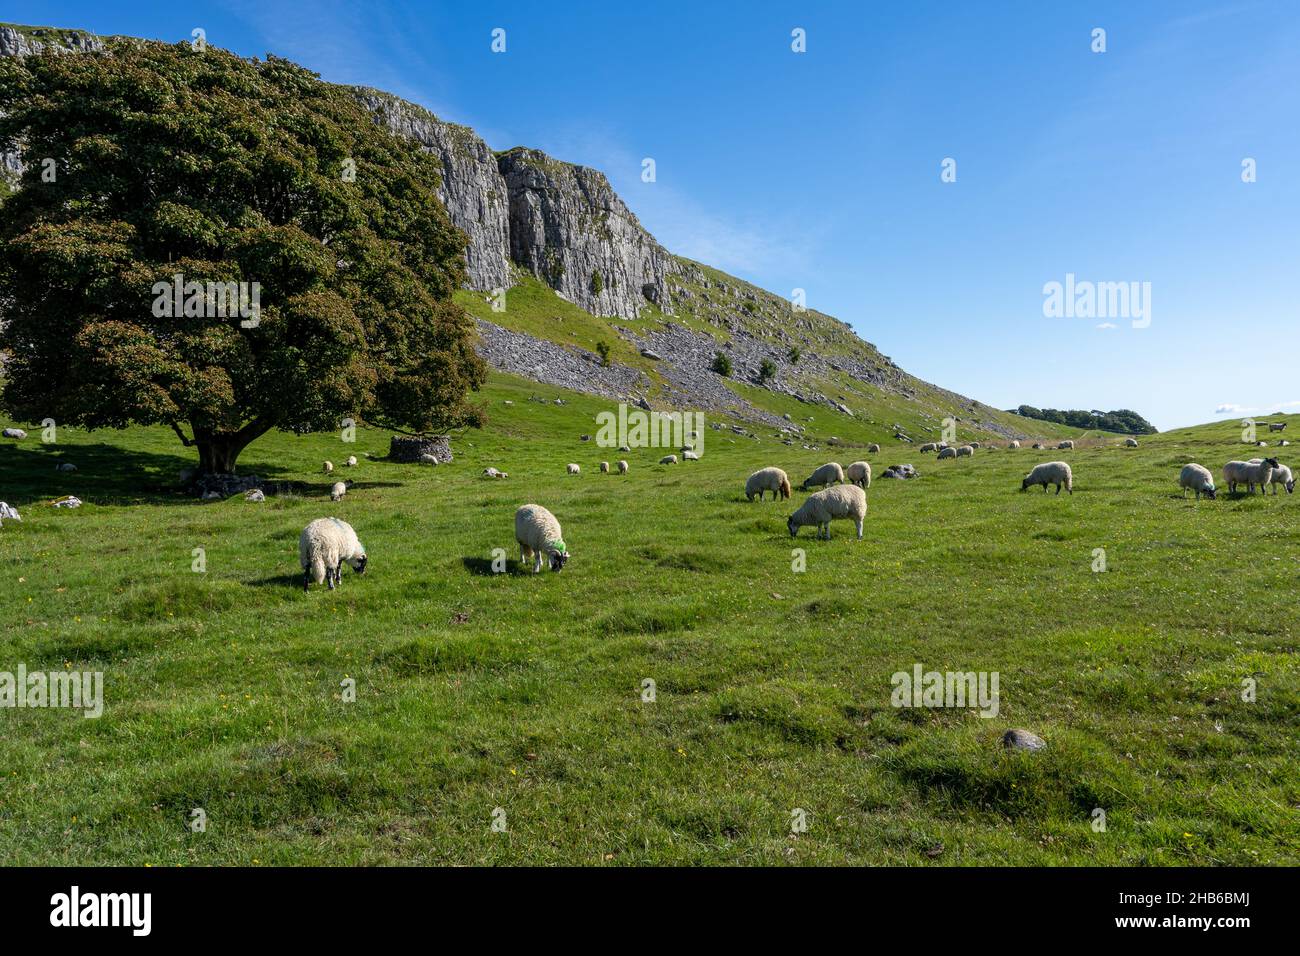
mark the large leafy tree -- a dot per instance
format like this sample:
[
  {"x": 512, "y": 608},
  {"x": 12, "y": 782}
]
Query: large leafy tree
[{"x": 169, "y": 160}]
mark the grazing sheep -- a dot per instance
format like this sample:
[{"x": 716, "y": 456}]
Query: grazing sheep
[
  {"x": 1131, "y": 442},
  {"x": 1250, "y": 474},
  {"x": 844, "y": 501},
  {"x": 767, "y": 479},
  {"x": 688, "y": 455},
  {"x": 1277, "y": 426},
  {"x": 974, "y": 444},
  {"x": 1038, "y": 446},
  {"x": 965, "y": 451},
  {"x": 538, "y": 533},
  {"x": 339, "y": 489},
  {"x": 1050, "y": 473},
  {"x": 604, "y": 468},
  {"x": 873, "y": 449},
  {"x": 1065, "y": 444},
  {"x": 1261, "y": 444},
  {"x": 668, "y": 460},
  {"x": 14, "y": 433},
  {"x": 859, "y": 473},
  {"x": 947, "y": 453},
  {"x": 930, "y": 446},
  {"x": 491, "y": 472},
  {"x": 622, "y": 467},
  {"x": 828, "y": 474},
  {"x": 352, "y": 461},
  {"x": 327, "y": 467},
  {"x": 1013, "y": 444},
  {"x": 574, "y": 469},
  {"x": 1198, "y": 479},
  {"x": 323, "y": 546},
  {"x": 1281, "y": 476}
]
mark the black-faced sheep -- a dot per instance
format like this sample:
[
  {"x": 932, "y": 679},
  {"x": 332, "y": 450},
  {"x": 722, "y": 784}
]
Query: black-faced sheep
[
  {"x": 767, "y": 479},
  {"x": 1281, "y": 476},
  {"x": 1050, "y": 473},
  {"x": 324, "y": 546},
  {"x": 1198, "y": 479},
  {"x": 828, "y": 474},
  {"x": 538, "y": 533},
  {"x": 842, "y": 501},
  {"x": 1250, "y": 474}
]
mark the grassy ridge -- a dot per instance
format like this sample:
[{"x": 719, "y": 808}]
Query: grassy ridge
[{"x": 478, "y": 691}]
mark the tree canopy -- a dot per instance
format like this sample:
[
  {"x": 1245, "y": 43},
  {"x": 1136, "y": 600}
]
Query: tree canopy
[
  {"x": 1123, "y": 420},
  {"x": 149, "y": 162}
]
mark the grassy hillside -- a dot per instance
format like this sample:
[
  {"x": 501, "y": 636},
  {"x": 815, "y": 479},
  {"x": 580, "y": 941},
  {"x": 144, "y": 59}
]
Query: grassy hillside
[
  {"x": 478, "y": 691},
  {"x": 533, "y": 307}
]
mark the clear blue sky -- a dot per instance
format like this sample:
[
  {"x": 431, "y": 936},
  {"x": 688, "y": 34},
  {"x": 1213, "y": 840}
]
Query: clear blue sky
[{"x": 821, "y": 170}]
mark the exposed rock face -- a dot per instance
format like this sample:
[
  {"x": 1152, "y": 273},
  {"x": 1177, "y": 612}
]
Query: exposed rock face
[
  {"x": 35, "y": 40},
  {"x": 551, "y": 364},
  {"x": 472, "y": 188},
  {"x": 568, "y": 226}
]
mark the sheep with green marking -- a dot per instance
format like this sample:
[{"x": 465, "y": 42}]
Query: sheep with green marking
[{"x": 538, "y": 533}]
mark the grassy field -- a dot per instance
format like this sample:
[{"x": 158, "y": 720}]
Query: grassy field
[{"x": 521, "y": 694}]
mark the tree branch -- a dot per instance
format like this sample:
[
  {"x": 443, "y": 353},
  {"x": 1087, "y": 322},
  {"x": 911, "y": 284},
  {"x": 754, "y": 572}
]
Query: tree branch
[{"x": 187, "y": 442}]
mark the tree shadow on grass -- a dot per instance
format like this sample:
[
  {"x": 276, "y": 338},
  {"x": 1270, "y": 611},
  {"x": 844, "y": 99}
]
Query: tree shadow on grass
[
  {"x": 323, "y": 490},
  {"x": 106, "y": 474},
  {"x": 483, "y": 567}
]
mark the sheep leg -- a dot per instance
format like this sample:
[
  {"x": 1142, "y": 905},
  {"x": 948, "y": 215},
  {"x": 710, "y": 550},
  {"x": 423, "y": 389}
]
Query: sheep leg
[
  {"x": 859, "y": 529},
  {"x": 306, "y": 580}
]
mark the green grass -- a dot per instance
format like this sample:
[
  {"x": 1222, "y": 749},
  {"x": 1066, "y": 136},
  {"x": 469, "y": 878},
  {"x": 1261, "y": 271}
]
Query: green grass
[{"x": 477, "y": 691}]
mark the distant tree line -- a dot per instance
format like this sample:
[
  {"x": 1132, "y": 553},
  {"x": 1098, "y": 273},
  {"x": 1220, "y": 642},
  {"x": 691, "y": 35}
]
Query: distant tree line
[{"x": 1123, "y": 420}]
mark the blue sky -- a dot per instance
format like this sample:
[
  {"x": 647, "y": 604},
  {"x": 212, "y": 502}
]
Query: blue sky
[{"x": 821, "y": 170}]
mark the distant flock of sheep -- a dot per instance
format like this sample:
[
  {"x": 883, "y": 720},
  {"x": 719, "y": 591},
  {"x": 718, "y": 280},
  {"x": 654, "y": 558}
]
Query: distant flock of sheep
[{"x": 328, "y": 543}]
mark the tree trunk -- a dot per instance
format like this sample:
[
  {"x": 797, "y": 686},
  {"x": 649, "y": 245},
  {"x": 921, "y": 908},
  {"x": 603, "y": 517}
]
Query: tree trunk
[{"x": 218, "y": 452}]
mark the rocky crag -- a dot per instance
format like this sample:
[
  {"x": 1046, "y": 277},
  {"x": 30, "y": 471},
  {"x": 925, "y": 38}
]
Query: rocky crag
[{"x": 524, "y": 211}]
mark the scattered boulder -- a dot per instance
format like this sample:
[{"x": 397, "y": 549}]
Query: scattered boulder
[
  {"x": 8, "y": 512},
  {"x": 1022, "y": 740},
  {"x": 14, "y": 433},
  {"x": 66, "y": 466},
  {"x": 651, "y": 354},
  {"x": 255, "y": 495},
  {"x": 900, "y": 471},
  {"x": 70, "y": 501}
]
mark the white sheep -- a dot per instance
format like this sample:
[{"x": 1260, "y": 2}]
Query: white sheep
[
  {"x": 948, "y": 452},
  {"x": 1198, "y": 479},
  {"x": 490, "y": 472},
  {"x": 622, "y": 467},
  {"x": 688, "y": 455},
  {"x": 974, "y": 444},
  {"x": 965, "y": 451},
  {"x": 873, "y": 449},
  {"x": 352, "y": 461},
  {"x": 930, "y": 446},
  {"x": 668, "y": 460},
  {"x": 842, "y": 501},
  {"x": 1250, "y": 474},
  {"x": 323, "y": 546},
  {"x": 828, "y": 474},
  {"x": 1050, "y": 473},
  {"x": 1013, "y": 444},
  {"x": 1131, "y": 442},
  {"x": 339, "y": 489},
  {"x": 1281, "y": 476},
  {"x": 1038, "y": 446},
  {"x": 859, "y": 473},
  {"x": 1065, "y": 444},
  {"x": 538, "y": 533},
  {"x": 574, "y": 469},
  {"x": 767, "y": 479},
  {"x": 327, "y": 467},
  {"x": 604, "y": 468},
  {"x": 14, "y": 433}
]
